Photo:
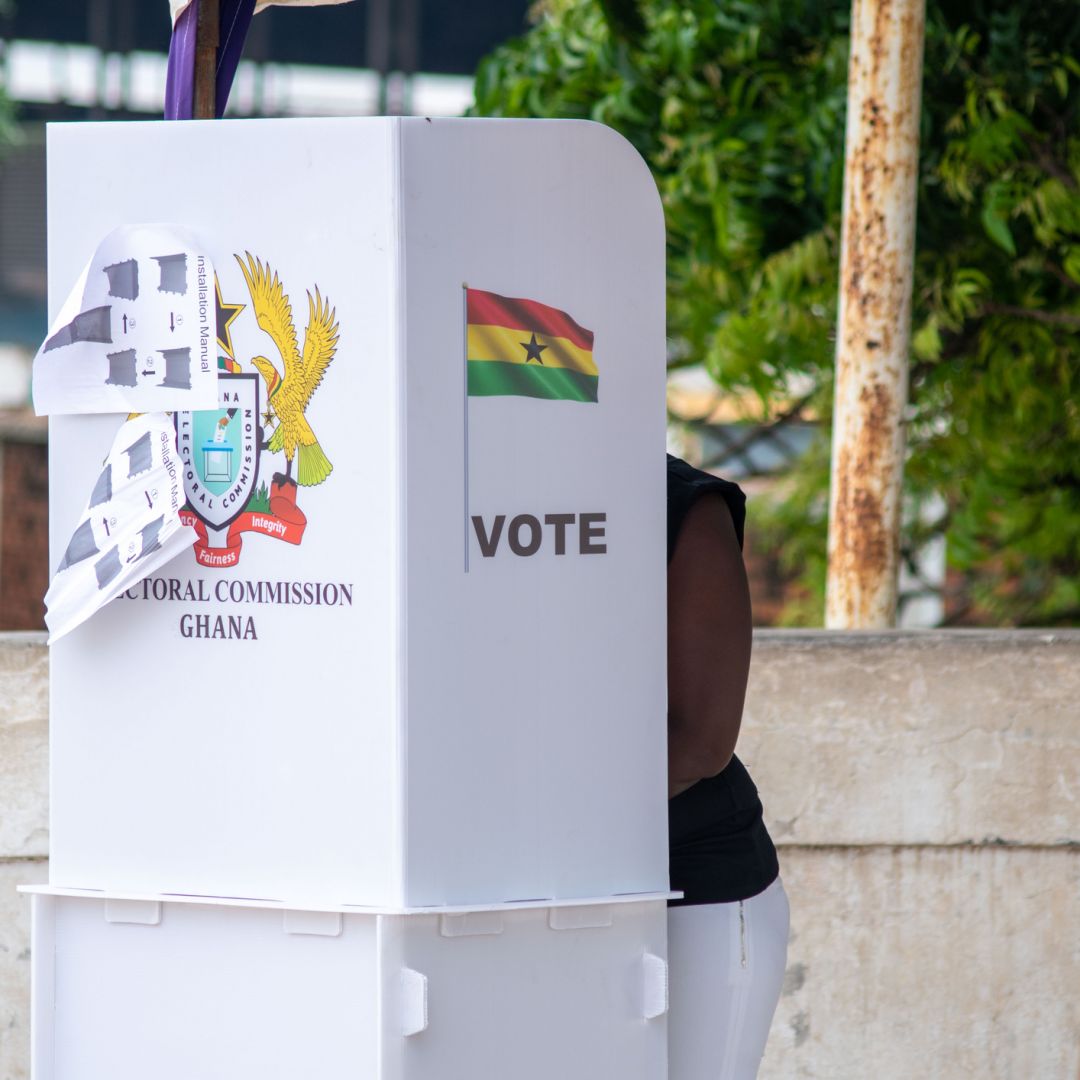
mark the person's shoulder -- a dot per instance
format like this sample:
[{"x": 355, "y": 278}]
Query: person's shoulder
[
  {"x": 679, "y": 472},
  {"x": 686, "y": 484},
  {"x": 684, "y": 481}
]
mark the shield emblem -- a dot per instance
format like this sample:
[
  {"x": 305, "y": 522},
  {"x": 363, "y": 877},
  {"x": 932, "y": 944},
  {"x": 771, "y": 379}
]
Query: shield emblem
[{"x": 220, "y": 451}]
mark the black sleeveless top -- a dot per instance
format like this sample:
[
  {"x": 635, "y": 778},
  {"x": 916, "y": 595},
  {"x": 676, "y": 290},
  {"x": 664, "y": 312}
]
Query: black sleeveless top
[{"x": 720, "y": 848}]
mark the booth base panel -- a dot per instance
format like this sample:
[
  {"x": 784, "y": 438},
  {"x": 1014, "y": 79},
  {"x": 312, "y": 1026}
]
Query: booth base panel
[{"x": 125, "y": 989}]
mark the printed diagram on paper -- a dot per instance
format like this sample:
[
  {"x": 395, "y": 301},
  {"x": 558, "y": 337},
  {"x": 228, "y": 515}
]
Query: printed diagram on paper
[
  {"x": 130, "y": 527},
  {"x": 136, "y": 334}
]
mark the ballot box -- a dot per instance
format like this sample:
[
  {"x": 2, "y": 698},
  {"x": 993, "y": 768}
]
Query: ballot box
[
  {"x": 415, "y": 652},
  {"x": 129, "y": 988}
]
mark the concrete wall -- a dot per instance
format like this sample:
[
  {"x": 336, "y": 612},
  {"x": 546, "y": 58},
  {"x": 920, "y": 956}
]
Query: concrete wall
[
  {"x": 24, "y": 830},
  {"x": 925, "y": 792},
  {"x": 925, "y": 789}
]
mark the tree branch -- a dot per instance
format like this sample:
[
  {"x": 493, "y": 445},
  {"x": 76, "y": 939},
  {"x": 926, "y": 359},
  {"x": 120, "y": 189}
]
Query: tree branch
[
  {"x": 1049, "y": 163},
  {"x": 1054, "y": 318},
  {"x": 1062, "y": 276}
]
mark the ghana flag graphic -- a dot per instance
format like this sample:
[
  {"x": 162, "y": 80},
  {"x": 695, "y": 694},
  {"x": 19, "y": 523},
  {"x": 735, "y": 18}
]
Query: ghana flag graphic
[{"x": 527, "y": 349}]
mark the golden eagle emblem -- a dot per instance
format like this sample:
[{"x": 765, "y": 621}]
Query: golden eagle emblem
[{"x": 288, "y": 392}]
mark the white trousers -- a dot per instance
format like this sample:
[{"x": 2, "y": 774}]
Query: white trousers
[{"x": 727, "y": 967}]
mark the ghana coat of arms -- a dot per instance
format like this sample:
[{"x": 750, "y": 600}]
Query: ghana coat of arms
[{"x": 260, "y": 425}]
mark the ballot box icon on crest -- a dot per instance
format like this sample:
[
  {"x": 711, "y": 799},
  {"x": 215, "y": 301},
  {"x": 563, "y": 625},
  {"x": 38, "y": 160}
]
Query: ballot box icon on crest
[{"x": 218, "y": 453}]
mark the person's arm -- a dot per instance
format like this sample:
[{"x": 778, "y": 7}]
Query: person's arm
[{"x": 709, "y": 631}]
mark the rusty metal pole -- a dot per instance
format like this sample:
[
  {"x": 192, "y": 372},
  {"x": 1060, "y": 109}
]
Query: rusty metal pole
[
  {"x": 874, "y": 325},
  {"x": 207, "y": 30}
]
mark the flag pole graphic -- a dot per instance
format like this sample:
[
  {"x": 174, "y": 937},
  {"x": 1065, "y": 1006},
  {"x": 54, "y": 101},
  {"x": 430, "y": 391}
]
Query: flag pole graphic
[{"x": 465, "y": 398}]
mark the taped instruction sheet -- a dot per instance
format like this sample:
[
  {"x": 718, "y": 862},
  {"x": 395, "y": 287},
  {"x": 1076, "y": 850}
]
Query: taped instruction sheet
[
  {"x": 130, "y": 527},
  {"x": 136, "y": 333}
]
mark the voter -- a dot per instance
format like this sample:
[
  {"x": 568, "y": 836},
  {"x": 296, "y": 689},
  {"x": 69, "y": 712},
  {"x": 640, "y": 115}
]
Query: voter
[{"x": 727, "y": 937}]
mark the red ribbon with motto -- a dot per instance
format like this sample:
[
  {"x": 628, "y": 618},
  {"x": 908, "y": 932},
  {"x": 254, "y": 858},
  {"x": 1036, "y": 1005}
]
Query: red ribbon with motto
[{"x": 284, "y": 521}]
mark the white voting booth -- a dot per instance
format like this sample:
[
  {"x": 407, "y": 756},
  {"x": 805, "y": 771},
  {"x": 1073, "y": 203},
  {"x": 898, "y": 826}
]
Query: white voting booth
[{"x": 378, "y": 765}]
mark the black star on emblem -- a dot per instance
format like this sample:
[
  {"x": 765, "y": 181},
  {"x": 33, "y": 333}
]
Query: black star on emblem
[
  {"x": 226, "y": 315},
  {"x": 533, "y": 349}
]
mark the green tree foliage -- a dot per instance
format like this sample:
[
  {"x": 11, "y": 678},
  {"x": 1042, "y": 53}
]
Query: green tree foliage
[
  {"x": 10, "y": 134},
  {"x": 9, "y": 130},
  {"x": 738, "y": 107}
]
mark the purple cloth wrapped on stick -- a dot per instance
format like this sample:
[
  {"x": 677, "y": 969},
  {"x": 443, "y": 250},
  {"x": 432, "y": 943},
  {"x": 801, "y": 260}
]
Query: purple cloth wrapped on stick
[{"x": 235, "y": 19}]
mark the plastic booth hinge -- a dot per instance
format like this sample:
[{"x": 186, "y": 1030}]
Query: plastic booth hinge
[
  {"x": 140, "y": 912},
  {"x": 321, "y": 923},
  {"x": 591, "y": 917},
  {"x": 471, "y": 924},
  {"x": 654, "y": 986},
  {"x": 414, "y": 998}
]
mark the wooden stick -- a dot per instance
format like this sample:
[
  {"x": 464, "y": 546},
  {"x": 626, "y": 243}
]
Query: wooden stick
[{"x": 206, "y": 48}]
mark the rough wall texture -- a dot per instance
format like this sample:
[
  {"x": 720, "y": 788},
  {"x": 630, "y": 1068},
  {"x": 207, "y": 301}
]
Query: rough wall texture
[
  {"x": 911, "y": 738},
  {"x": 24, "y": 831},
  {"x": 925, "y": 791},
  {"x": 942, "y": 963},
  {"x": 15, "y": 965},
  {"x": 24, "y": 734}
]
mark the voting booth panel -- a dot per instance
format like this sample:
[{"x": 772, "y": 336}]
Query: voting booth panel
[
  {"x": 129, "y": 988},
  {"x": 416, "y": 654}
]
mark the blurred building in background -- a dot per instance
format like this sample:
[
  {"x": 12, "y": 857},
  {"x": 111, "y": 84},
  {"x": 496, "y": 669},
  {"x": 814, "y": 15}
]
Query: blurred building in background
[
  {"x": 72, "y": 60},
  {"x": 733, "y": 439}
]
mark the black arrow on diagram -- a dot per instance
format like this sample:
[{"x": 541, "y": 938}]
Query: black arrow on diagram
[
  {"x": 125, "y": 324},
  {"x": 172, "y": 321}
]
